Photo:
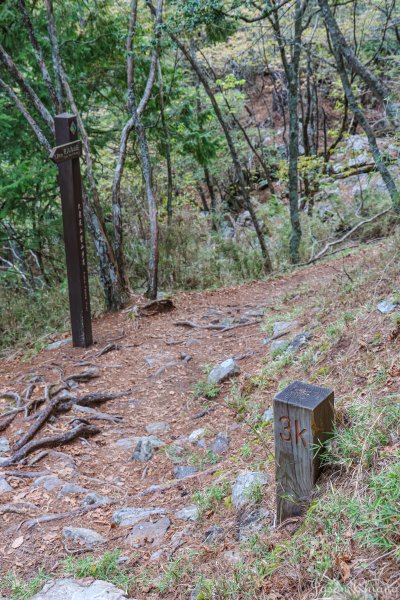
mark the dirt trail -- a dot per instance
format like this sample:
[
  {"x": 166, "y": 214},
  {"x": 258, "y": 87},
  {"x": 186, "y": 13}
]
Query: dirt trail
[{"x": 159, "y": 362}]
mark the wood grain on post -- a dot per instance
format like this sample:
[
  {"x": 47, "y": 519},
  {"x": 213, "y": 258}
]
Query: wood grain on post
[
  {"x": 303, "y": 422},
  {"x": 66, "y": 155}
]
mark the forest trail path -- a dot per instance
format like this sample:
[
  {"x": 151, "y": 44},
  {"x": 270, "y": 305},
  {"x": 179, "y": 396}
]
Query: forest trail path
[{"x": 159, "y": 363}]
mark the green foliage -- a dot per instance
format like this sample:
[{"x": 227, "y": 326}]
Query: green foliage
[
  {"x": 20, "y": 589},
  {"x": 205, "y": 389},
  {"x": 107, "y": 568},
  {"x": 210, "y": 499}
]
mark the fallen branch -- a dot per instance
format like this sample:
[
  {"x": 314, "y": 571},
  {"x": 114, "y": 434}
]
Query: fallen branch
[
  {"x": 347, "y": 235},
  {"x": 81, "y": 430}
]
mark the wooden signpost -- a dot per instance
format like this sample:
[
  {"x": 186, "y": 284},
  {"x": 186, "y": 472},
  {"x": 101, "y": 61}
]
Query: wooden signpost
[
  {"x": 303, "y": 422},
  {"x": 66, "y": 156}
]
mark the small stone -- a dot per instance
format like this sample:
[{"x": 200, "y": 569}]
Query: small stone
[
  {"x": 252, "y": 522},
  {"x": 5, "y": 488},
  {"x": 232, "y": 557},
  {"x": 244, "y": 484},
  {"x": 144, "y": 451},
  {"x": 188, "y": 513},
  {"x": 48, "y": 482},
  {"x": 184, "y": 471},
  {"x": 131, "y": 515},
  {"x": 152, "y": 533},
  {"x": 196, "y": 435},
  {"x": 157, "y": 427},
  {"x": 214, "y": 534},
  {"x": 59, "y": 344},
  {"x": 81, "y": 534},
  {"x": 268, "y": 415},
  {"x": 224, "y": 371},
  {"x": 128, "y": 443},
  {"x": 220, "y": 444},
  {"x": 299, "y": 341},
  {"x": 385, "y": 307},
  {"x": 192, "y": 342},
  {"x": 283, "y": 327},
  {"x": 69, "y": 589},
  {"x": 4, "y": 445},
  {"x": 69, "y": 489},
  {"x": 93, "y": 498}
]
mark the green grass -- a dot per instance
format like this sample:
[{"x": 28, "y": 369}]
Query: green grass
[
  {"x": 211, "y": 498},
  {"x": 19, "y": 589},
  {"x": 106, "y": 568},
  {"x": 205, "y": 389}
]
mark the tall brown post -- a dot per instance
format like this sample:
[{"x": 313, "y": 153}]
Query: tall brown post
[
  {"x": 303, "y": 422},
  {"x": 66, "y": 156}
]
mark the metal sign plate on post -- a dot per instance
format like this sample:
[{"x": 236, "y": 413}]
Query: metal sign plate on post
[
  {"x": 66, "y": 156},
  {"x": 65, "y": 152},
  {"x": 303, "y": 422}
]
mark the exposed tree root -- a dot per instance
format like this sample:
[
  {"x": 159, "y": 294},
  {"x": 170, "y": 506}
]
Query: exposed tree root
[{"x": 81, "y": 430}]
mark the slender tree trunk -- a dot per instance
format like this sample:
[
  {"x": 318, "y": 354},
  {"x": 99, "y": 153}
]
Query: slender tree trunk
[
  {"x": 232, "y": 149},
  {"x": 213, "y": 198},
  {"x": 167, "y": 145},
  {"x": 377, "y": 87}
]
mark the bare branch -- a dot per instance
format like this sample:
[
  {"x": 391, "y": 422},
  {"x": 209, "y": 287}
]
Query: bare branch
[{"x": 24, "y": 111}]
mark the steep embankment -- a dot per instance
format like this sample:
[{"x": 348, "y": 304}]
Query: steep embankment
[{"x": 156, "y": 481}]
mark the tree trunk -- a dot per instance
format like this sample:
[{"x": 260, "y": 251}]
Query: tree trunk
[
  {"x": 232, "y": 149},
  {"x": 377, "y": 87},
  {"x": 361, "y": 119}
]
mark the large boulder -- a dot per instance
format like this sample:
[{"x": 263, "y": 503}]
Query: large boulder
[{"x": 69, "y": 589}]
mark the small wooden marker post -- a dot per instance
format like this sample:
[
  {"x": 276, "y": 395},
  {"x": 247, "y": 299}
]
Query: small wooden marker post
[
  {"x": 303, "y": 422},
  {"x": 66, "y": 156}
]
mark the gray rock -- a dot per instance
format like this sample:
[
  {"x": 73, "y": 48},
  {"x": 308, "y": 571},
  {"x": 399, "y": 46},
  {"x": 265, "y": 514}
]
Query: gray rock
[
  {"x": 188, "y": 513},
  {"x": 70, "y": 489},
  {"x": 268, "y": 415},
  {"x": 4, "y": 445},
  {"x": 359, "y": 160},
  {"x": 132, "y": 515},
  {"x": 224, "y": 371},
  {"x": 3, "y": 460},
  {"x": 250, "y": 522},
  {"x": 144, "y": 451},
  {"x": 152, "y": 533},
  {"x": 193, "y": 342},
  {"x": 145, "y": 446},
  {"x": 299, "y": 341},
  {"x": 157, "y": 427},
  {"x": 81, "y": 534},
  {"x": 243, "y": 485},
  {"x": 93, "y": 498},
  {"x": 197, "y": 435},
  {"x": 48, "y": 482},
  {"x": 183, "y": 471},
  {"x": 277, "y": 345},
  {"x": 283, "y": 327},
  {"x": 385, "y": 307},
  {"x": 221, "y": 443},
  {"x": 356, "y": 143},
  {"x": 128, "y": 442},
  {"x": 214, "y": 534},
  {"x": 5, "y": 488},
  {"x": 59, "y": 344},
  {"x": 69, "y": 589}
]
